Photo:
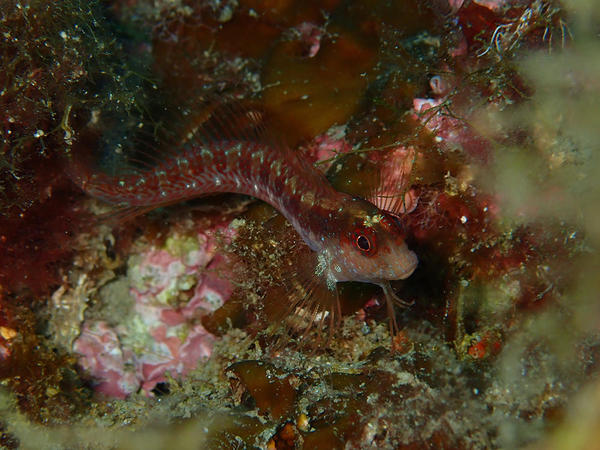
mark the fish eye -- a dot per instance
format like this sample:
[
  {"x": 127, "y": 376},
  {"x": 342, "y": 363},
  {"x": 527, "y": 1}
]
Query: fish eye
[
  {"x": 363, "y": 243},
  {"x": 364, "y": 240}
]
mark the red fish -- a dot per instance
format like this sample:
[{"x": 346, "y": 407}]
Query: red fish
[{"x": 352, "y": 239}]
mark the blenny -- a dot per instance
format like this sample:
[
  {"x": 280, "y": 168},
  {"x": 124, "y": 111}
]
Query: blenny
[{"x": 352, "y": 239}]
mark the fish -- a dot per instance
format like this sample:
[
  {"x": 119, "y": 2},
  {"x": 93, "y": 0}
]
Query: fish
[{"x": 351, "y": 238}]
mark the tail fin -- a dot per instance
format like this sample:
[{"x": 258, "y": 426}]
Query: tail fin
[{"x": 79, "y": 162}]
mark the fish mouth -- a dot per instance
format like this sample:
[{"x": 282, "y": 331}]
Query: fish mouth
[{"x": 409, "y": 264}]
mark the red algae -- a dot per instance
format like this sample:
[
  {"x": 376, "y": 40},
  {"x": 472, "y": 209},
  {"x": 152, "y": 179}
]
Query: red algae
[
  {"x": 45, "y": 382},
  {"x": 39, "y": 101},
  {"x": 37, "y": 243}
]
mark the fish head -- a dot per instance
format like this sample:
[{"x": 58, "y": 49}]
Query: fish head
[{"x": 371, "y": 246}]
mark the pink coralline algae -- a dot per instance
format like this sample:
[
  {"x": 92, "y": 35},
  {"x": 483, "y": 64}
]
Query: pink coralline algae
[
  {"x": 172, "y": 288},
  {"x": 494, "y": 5},
  {"x": 310, "y": 35},
  {"x": 103, "y": 357},
  {"x": 449, "y": 130},
  {"x": 5, "y": 338},
  {"x": 325, "y": 147}
]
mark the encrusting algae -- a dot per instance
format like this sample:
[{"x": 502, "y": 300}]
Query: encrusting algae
[{"x": 374, "y": 133}]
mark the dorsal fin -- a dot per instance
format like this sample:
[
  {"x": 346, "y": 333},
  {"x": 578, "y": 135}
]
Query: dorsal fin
[
  {"x": 379, "y": 175},
  {"x": 127, "y": 145},
  {"x": 392, "y": 192},
  {"x": 214, "y": 120}
]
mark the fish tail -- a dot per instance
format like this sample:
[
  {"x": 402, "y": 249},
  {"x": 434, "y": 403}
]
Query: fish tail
[
  {"x": 81, "y": 169},
  {"x": 78, "y": 167}
]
